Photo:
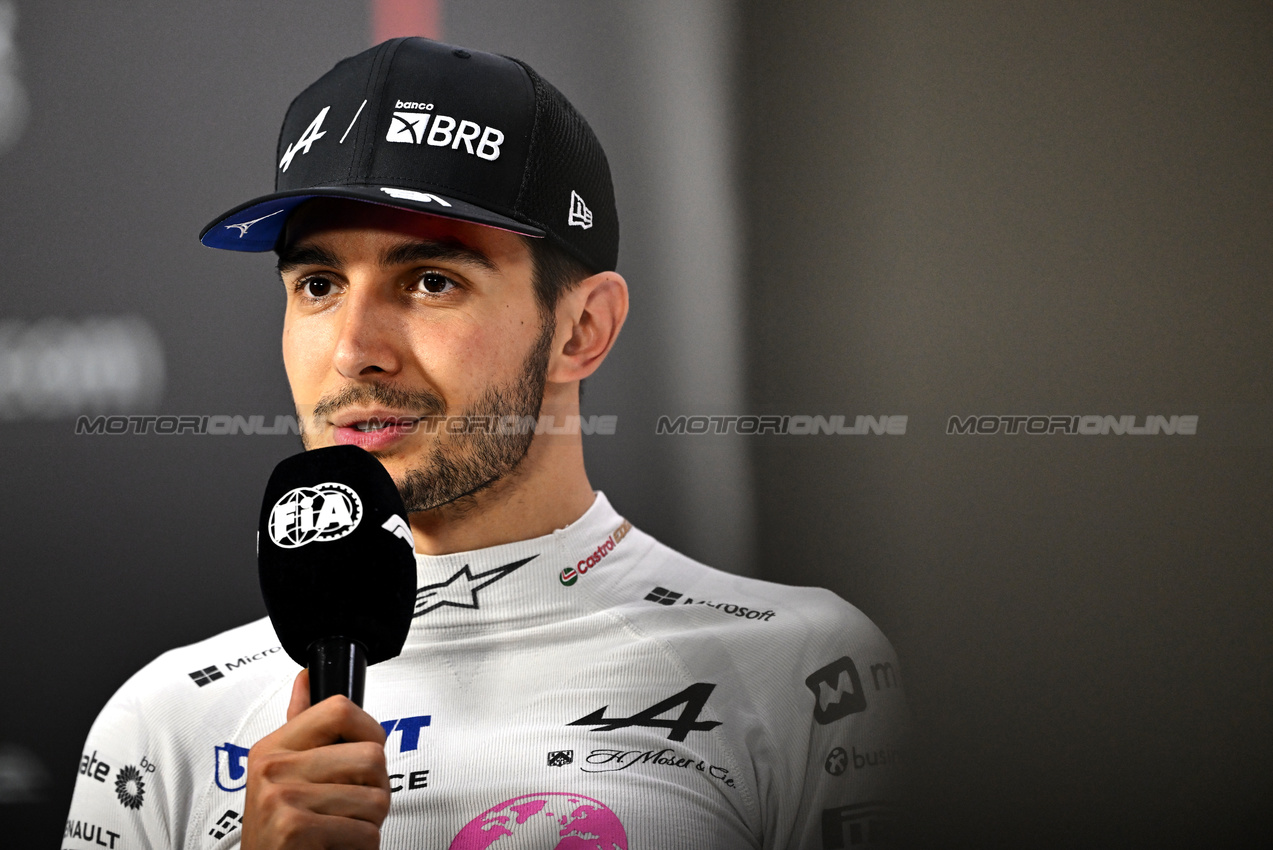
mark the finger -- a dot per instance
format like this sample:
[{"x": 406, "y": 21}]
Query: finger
[
  {"x": 299, "y": 828},
  {"x": 334, "y": 720},
  {"x": 344, "y": 801},
  {"x": 348, "y": 833},
  {"x": 300, "y": 694},
  {"x": 361, "y": 763}
]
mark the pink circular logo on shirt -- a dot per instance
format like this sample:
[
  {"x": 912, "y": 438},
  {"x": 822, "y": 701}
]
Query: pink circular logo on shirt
[{"x": 549, "y": 820}]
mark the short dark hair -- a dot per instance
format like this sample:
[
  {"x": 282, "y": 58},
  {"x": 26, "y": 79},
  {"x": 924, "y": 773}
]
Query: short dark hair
[{"x": 554, "y": 272}]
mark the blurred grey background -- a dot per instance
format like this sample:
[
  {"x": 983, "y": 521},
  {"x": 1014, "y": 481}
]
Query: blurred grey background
[{"x": 929, "y": 210}]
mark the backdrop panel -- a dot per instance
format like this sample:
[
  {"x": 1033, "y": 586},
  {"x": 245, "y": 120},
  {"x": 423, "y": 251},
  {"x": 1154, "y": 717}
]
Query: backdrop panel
[{"x": 988, "y": 210}]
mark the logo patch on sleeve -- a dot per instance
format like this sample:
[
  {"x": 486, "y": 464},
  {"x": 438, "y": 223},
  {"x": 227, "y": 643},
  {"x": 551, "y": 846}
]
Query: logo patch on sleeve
[{"x": 837, "y": 691}]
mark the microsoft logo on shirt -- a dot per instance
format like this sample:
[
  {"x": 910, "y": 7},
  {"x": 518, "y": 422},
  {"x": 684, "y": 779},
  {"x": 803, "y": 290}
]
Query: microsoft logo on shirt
[
  {"x": 663, "y": 596},
  {"x": 206, "y": 675}
]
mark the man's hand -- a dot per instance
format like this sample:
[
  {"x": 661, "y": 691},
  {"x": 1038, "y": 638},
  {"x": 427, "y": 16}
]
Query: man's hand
[{"x": 319, "y": 780}]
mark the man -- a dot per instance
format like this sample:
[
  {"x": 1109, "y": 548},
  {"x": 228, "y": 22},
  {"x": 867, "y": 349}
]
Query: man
[{"x": 446, "y": 234}]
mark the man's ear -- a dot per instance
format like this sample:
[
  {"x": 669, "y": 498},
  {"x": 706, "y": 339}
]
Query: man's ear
[{"x": 589, "y": 317}]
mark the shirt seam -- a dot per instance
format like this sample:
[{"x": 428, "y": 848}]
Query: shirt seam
[{"x": 631, "y": 628}]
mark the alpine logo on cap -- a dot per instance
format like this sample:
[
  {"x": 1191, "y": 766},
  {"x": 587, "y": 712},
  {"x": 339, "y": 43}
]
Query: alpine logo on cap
[
  {"x": 324, "y": 512},
  {"x": 306, "y": 141},
  {"x": 580, "y": 215}
]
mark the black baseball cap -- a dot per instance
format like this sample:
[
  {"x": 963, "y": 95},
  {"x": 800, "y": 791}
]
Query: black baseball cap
[{"x": 430, "y": 127}]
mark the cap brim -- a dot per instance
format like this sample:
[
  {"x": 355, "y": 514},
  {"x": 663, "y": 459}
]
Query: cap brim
[{"x": 255, "y": 226}]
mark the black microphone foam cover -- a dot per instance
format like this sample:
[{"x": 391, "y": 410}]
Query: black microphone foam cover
[{"x": 335, "y": 553}]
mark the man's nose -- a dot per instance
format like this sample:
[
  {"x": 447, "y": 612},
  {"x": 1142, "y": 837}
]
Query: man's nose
[{"x": 369, "y": 335}]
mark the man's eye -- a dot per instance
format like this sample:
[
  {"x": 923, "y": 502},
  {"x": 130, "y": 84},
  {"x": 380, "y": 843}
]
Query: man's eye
[
  {"x": 315, "y": 287},
  {"x": 436, "y": 283}
]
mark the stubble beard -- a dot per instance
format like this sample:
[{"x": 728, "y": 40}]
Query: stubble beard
[{"x": 458, "y": 466}]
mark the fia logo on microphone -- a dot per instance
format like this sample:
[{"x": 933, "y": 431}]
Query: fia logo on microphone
[{"x": 323, "y": 512}]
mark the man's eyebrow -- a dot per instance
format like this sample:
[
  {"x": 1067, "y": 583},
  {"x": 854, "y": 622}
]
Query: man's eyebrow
[
  {"x": 304, "y": 255},
  {"x": 415, "y": 251},
  {"x": 449, "y": 251}
]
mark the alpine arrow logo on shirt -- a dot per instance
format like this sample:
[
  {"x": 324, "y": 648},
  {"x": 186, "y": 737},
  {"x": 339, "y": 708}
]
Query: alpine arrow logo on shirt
[
  {"x": 837, "y": 690},
  {"x": 694, "y": 698},
  {"x": 460, "y": 590}
]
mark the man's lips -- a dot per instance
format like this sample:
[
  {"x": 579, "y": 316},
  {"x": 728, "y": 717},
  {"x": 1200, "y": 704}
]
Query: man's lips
[{"x": 373, "y": 431}]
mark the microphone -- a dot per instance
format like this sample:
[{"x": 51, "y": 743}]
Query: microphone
[{"x": 337, "y": 566}]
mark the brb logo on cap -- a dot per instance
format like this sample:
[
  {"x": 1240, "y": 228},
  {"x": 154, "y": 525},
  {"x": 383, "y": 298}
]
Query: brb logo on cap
[
  {"x": 323, "y": 512},
  {"x": 408, "y": 127}
]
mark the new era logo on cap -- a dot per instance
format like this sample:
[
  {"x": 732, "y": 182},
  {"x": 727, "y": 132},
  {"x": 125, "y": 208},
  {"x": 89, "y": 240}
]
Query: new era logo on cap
[{"x": 580, "y": 215}]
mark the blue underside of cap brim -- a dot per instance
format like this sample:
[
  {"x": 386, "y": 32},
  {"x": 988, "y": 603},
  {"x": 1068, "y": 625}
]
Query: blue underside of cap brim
[{"x": 255, "y": 226}]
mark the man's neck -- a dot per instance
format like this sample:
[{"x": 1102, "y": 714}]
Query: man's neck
[{"x": 548, "y": 490}]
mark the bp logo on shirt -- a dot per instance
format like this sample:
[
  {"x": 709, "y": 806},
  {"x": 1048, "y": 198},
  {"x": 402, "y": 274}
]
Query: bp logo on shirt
[{"x": 130, "y": 788}]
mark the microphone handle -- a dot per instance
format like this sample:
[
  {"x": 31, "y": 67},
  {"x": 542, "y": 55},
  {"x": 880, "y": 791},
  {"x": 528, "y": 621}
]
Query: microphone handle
[{"x": 337, "y": 665}]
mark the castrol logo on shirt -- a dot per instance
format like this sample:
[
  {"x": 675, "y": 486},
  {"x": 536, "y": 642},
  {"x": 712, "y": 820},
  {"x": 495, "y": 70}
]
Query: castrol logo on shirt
[{"x": 570, "y": 575}]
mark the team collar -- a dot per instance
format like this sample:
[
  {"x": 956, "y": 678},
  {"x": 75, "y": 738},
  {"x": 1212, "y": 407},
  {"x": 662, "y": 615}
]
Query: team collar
[{"x": 521, "y": 583}]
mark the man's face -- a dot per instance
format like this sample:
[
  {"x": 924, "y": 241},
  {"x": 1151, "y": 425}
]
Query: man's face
[{"x": 395, "y": 316}]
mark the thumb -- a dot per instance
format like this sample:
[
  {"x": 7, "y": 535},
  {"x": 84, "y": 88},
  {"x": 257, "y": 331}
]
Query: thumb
[{"x": 300, "y": 695}]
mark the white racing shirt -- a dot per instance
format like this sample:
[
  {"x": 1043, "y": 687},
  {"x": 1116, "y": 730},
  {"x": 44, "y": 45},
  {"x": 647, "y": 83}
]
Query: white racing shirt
[{"x": 589, "y": 689}]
